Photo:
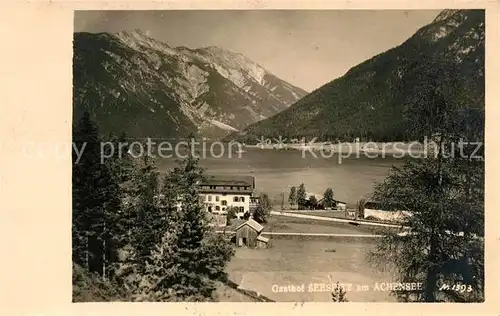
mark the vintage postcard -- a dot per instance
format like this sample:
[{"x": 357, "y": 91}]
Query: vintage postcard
[
  {"x": 276, "y": 155},
  {"x": 279, "y": 155}
]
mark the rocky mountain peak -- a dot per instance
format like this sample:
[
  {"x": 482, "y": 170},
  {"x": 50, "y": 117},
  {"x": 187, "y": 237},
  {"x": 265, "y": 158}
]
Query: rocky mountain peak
[
  {"x": 235, "y": 65},
  {"x": 445, "y": 14},
  {"x": 134, "y": 34},
  {"x": 129, "y": 77}
]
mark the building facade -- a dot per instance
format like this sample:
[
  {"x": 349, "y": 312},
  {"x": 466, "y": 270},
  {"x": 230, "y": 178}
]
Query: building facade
[
  {"x": 219, "y": 193},
  {"x": 254, "y": 202},
  {"x": 248, "y": 233}
]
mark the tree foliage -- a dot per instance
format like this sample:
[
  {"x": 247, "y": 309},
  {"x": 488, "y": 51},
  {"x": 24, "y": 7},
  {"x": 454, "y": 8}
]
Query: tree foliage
[
  {"x": 263, "y": 209},
  {"x": 339, "y": 294},
  {"x": 140, "y": 232},
  {"x": 328, "y": 198},
  {"x": 95, "y": 199},
  {"x": 444, "y": 194},
  {"x": 193, "y": 270},
  {"x": 231, "y": 213},
  {"x": 360, "y": 206},
  {"x": 292, "y": 196},
  {"x": 301, "y": 195},
  {"x": 445, "y": 243},
  {"x": 313, "y": 202}
]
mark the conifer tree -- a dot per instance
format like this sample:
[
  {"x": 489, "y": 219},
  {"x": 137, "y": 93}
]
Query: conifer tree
[
  {"x": 263, "y": 209},
  {"x": 292, "y": 197},
  {"x": 121, "y": 162},
  {"x": 339, "y": 294},
  {"x": 313, "y": 202},
  {"x": 122, "y": 168},
  {"x": 444, "y": 194},
  {"x": 94, "y": 199},
  {"x": 328, "y": 198},
  {"x": 149, "y": 220},
  {"x": 191, "y": 256},
  {"x": 301, "y": 195}
]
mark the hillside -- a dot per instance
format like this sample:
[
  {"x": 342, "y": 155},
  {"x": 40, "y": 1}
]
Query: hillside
[
  {"x": 132, "y": 83},
  {"x": 88, "y": 287},
  {"x": 375, "y": 99}
]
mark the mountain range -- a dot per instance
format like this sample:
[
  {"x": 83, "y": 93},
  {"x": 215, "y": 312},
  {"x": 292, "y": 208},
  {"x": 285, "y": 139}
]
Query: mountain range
[
  {"x": 130, "y": 82},
  {"x": 375, "y": 99}
]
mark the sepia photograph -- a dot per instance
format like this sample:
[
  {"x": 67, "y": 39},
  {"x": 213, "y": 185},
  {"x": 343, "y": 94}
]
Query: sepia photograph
[{"x": 278, "y": 156}]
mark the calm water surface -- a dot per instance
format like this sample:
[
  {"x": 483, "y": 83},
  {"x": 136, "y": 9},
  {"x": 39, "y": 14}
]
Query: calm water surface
[{"x": 276, "y": 171}]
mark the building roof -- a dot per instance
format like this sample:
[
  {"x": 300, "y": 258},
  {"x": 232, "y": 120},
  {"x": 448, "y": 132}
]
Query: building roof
[
  {"x": 262, "y": 238},
  {"x": 252, "y": 223},
  {"x": 317, "y": 196},
  {"x": 335, "y": 200},
  {"x": 228, "y": 184},
  {"x": 228, "y": 180}
]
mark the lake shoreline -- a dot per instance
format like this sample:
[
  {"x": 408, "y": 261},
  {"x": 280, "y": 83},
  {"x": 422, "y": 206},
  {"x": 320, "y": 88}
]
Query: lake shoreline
[
  {"x": 412, "y": 149},
  {"x": 276, "y": 171}
]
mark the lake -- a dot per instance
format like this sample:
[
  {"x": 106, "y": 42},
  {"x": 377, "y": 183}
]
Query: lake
[{"x": 276, "y": 171}]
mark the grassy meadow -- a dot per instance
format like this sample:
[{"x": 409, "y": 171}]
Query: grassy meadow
[{"x": 297, "y": 260}]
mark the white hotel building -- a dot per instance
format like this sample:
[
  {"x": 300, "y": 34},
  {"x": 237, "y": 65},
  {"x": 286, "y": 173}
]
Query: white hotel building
[{"x": 219, "y": 192}]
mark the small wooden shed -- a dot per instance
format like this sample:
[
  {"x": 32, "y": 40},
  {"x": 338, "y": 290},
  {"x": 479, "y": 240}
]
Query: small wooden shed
[
  {"x": 262, "y": 242},
  {"x": 247, "y": 233}
]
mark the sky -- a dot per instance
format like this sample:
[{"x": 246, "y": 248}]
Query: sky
[{"x": 306, "y": 48}]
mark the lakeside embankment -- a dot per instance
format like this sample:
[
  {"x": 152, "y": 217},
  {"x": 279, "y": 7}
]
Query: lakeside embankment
[{"x": 375, "y": 149}]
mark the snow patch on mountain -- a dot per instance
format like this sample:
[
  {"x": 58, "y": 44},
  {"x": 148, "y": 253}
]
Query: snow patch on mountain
[{"x": 223, "y": 126}]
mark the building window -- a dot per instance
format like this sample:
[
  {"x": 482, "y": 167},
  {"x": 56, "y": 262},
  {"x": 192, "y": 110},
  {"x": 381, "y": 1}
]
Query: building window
[
  {"x": 242, "y": 199},
  {"x": 224, "y": 203},
  {"x": 210, "y": 209},
  {"x": 209, "y": 198},
  {"x": 217, "y": 208},
  {"x": 242, "y": 209},
  {"x": 217, "y": 198},
  {"x": 232, "y": 188},
  {"x": 235, "y": 199}
]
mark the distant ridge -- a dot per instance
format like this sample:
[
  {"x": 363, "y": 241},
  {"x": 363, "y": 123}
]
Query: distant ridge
[
  {"x": 372, "y": 101},
  {"x": 133, "y": 83}
]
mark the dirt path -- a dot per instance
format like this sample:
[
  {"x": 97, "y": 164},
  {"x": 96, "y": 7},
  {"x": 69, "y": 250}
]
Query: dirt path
[
  {"x": 310, "y": 234},
  {"x": 333, "y": 219}
]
